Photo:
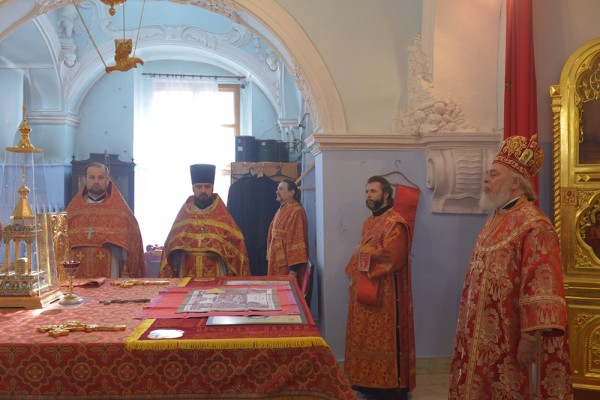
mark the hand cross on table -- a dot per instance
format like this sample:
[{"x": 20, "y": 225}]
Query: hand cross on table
[
  {"x": 65, "y": 328},
  {"x": 135, "y": 282},
  {"x": 111, "y": 301}
]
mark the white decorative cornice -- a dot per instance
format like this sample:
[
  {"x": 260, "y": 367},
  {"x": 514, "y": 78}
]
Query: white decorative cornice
[
  {"x": 456, "y": 162},
  {"x": 460, "y": 139},
  {"x": 53, "y": 119},
  {"x": 343, "y": 141}
]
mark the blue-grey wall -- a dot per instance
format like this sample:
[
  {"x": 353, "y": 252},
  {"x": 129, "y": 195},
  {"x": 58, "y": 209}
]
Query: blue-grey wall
[
  {"x": 441, "y": 246},
  {"x": 106, "y": 117}
]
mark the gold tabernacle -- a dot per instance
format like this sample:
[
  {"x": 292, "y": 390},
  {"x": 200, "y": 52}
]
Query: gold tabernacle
[{"x": 28, "y": 273}]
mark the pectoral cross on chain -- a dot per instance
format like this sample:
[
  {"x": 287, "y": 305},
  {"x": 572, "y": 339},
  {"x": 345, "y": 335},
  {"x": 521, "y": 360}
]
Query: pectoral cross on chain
[{"x": 90, "y": 230}]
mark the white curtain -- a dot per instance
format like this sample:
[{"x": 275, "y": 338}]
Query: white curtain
[{"x": 178, "y": 123}]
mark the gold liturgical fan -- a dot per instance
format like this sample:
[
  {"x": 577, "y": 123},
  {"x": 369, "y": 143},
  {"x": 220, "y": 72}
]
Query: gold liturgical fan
[{"x": 28, "y": 273}]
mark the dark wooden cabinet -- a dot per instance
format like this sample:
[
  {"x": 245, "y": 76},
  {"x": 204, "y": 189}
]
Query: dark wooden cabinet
[{"x": 121, "y": 174}]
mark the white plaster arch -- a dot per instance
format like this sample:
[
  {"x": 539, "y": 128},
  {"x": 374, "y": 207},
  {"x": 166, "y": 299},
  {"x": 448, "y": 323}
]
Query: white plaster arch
[
  {"x": 228, "y": 57},
  {"x": 266, "y": 18}
]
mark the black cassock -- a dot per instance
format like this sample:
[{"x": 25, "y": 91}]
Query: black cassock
[{"x": 252, "y": 202}]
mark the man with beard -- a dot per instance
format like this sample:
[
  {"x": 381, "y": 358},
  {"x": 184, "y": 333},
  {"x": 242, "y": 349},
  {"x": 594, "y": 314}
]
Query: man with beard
[
  {"x": 204, "y": 240},
  {"x": 380, "y": 353},
  {"x": 103, "y": 232},
  {"x": 287, "y": 240},
  {"x": 511, "y": 339}
]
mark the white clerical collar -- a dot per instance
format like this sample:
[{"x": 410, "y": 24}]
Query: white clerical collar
[
  {"x": 510, "y": 203},
  {"x": 98, "y": 199}
]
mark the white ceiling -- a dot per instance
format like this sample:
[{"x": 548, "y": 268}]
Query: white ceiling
[{"x": 26, "y": 47}]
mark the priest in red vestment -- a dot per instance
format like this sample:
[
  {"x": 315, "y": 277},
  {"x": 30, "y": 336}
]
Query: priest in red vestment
[
  {"x": 103, "y": 232},
  {"x": 204, "y": 240},
  {"x": 287, "y": 240},
  {"x": 380, "y": 346},
  {"x": 511, "y": 339}
]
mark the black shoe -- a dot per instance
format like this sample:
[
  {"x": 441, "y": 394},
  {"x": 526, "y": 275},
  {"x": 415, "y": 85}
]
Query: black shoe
[
  {"x": 389, "y": 394},
  {"x": 395, "y": 394},
  {"x": 382, "y": 394},
  {"x": 367, "y": 391}
]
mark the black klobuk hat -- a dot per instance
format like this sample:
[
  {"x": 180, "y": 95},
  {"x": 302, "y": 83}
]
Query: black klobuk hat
[{"x": 202, "y": 173}]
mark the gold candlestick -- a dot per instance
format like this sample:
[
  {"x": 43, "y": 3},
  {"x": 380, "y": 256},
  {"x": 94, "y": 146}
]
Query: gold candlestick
[{"x": 70, "y": 268}]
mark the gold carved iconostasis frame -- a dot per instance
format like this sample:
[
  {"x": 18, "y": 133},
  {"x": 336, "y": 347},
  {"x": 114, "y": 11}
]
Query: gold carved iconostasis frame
[{"x": 576, "y": 171}]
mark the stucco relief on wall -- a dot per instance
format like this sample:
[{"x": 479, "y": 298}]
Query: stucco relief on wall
[
  {"x": 456, "y": 176},
  {"x": 427, "y": 110},
  {"x": 67, "y": 25},
  {"x": 457, "y": 152}
]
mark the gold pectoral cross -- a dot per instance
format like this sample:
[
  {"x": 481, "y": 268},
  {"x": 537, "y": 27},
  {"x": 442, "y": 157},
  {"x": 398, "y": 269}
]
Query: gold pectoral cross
[
  {"x": 71, "y": 326},
  {"x": 90, "y": 230}
]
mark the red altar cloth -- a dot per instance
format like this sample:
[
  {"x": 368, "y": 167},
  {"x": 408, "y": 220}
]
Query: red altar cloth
[
  {"x": 166, "y": 303},
  {"x": 275, "y": 361},
  {"x": 197, "y": 334}
]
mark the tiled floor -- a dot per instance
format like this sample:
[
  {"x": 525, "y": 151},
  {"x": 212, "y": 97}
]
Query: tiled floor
[
  {"x": 432, "y": 379},
  {"x": 429, "y": 387},
  {"x": 435, "y": 387}
]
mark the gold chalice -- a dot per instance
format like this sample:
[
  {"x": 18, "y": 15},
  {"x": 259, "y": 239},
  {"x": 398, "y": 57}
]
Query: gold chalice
[{"x": 70, "y": 268}]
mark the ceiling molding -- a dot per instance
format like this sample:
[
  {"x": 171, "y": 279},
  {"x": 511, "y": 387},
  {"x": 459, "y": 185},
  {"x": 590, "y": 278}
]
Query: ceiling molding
[{"x": 344, "y": 141}]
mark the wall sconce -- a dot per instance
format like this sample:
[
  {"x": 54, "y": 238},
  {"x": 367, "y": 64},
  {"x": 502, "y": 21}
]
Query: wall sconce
[{"x": 123, "y": 47}]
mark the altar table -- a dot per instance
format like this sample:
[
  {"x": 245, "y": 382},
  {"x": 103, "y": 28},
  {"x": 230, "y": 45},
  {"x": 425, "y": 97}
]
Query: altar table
[{"x": 237, "y": 362}]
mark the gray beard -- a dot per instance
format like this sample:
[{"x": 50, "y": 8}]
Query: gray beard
[{"x": 490, "y": 201}]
